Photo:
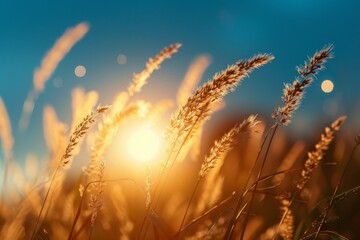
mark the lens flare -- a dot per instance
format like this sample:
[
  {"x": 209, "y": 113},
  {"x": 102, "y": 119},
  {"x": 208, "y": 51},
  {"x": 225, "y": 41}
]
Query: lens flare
[{"x": 143, "y": 144}]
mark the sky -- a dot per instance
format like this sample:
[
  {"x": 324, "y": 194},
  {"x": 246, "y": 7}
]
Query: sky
[{"x": 226, "y": 30}]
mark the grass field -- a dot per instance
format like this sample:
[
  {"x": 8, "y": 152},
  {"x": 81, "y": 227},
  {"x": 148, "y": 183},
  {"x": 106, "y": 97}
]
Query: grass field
[{"x": 126, "y": 170}]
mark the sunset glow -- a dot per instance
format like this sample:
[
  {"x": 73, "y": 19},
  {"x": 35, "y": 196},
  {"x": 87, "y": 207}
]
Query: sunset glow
[
  {"x": 195, "y": 120},
  {"x": 143, "y": 144}
]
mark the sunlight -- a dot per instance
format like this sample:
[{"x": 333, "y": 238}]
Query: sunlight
[{"x": 143, "y": 144}]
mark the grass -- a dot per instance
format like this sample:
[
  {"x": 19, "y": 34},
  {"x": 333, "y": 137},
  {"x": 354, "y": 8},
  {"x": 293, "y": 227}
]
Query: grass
[{"x": 252, "y": 182}]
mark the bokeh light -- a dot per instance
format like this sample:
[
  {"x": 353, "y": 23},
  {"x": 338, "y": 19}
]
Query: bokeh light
[
  {"x": 121, "y": 59},
  {"x": 327, "y": 86},
  {"x": 80, "y": 71}
]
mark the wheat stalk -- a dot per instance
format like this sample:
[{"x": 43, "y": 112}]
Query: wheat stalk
[
  {"x": 293, "y": 93},
  {"x": 148, "y": 184},
  {"x": 219, "y": 150},
  {"x": 225, "y": 144},
  {"x": 185, "y": 121},
  {"x": 80, "y": 130},
  {"x": 192, "y": 78},
  {"x": 314, "y": 157},
  {"x": 197, "y": 108},
  {"x": 291, "y": 98},
  {"x": 313, "y": 160},
  {"x": 139, "y": 79},
  {"x": 287, "y": 230}
]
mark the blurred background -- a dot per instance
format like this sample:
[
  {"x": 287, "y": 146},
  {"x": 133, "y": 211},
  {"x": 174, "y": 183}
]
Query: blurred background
[{"x": 124, "y": 34}]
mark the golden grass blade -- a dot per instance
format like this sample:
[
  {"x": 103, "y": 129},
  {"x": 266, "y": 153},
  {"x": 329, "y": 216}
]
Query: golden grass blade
[
  {"x": 140, "y": 79},
  {"x": 197, "y": 108},
  {"x": 225, "y": 144},
  {"x": 54, "y": 130},
  {"x": 7, "y": 140},
  {"x": 314, "y": 157},
  {"x": 313, "y": 160},
  {"x": 293, "y": 93},
  {"x": 119, "y": 102},
  {"x": 219, "y": 150},
  {"x": 48, "y": 65},
  {"x": 186, "y": 120},
  {"x": 80, "y": 130},
  {"x": 192, "y": 78},
  {"x": 287, "y": 229},
  {"x": 82, "y": 103}
]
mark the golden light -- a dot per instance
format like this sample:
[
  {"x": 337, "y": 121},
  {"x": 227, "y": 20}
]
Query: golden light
[
  {"x": 80, "y": 71},
  {"x": 143, "y": 144},
  {"x": 327, "y": 86}
]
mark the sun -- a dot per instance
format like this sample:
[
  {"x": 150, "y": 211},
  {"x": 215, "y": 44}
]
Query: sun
[{"x": 143, "y": 144}]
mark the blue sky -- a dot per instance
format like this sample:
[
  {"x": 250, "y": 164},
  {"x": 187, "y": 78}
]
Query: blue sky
[{"x": 227, "y": 30}]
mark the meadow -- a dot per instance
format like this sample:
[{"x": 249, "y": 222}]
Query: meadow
[{"x": 175, "y": 177}]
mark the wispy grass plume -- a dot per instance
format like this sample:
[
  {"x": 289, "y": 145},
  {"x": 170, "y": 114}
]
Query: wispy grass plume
[
  {"x": 7, "y": 140},
  {"x": 192, "y": 78},
  {"x": 65, "y": 161},
  {"x": 139, "y": 79},
  {"x": 48, "y": 65},
  {"x": 197, "y": 107},
  {"x": 292, "y": 97},
  {"x": 219, "y": 150},
  {"x": 293, "y": 93},
  {"x": 313, "y": 160},
  {"x": 314, "y": 157}
]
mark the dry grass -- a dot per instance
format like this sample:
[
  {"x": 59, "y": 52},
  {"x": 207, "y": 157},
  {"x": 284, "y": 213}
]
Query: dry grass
[
  {"x": 48, "y": 65},
  {"x": 234, "y": 192}
]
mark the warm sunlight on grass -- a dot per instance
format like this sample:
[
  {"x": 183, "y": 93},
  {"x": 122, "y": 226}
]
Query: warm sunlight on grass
[
  {"x": 143, "y": 144},
  {"x": 146, "y": 174}
]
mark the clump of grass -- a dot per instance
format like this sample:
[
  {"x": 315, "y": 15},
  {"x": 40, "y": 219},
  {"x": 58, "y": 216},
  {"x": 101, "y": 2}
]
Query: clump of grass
[
  {"x": 312, "y": 162},
  {"x": 218, "y": 151},
  {"x": 292, "y": 95},
  {"x": 80, "y": 130}
]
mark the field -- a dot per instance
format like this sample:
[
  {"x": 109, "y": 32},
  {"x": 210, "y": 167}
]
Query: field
[{"x": 135, "y": 169}]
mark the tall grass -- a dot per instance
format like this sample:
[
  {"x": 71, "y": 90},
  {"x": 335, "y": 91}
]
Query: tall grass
[{"x": 250, "y": 183}]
